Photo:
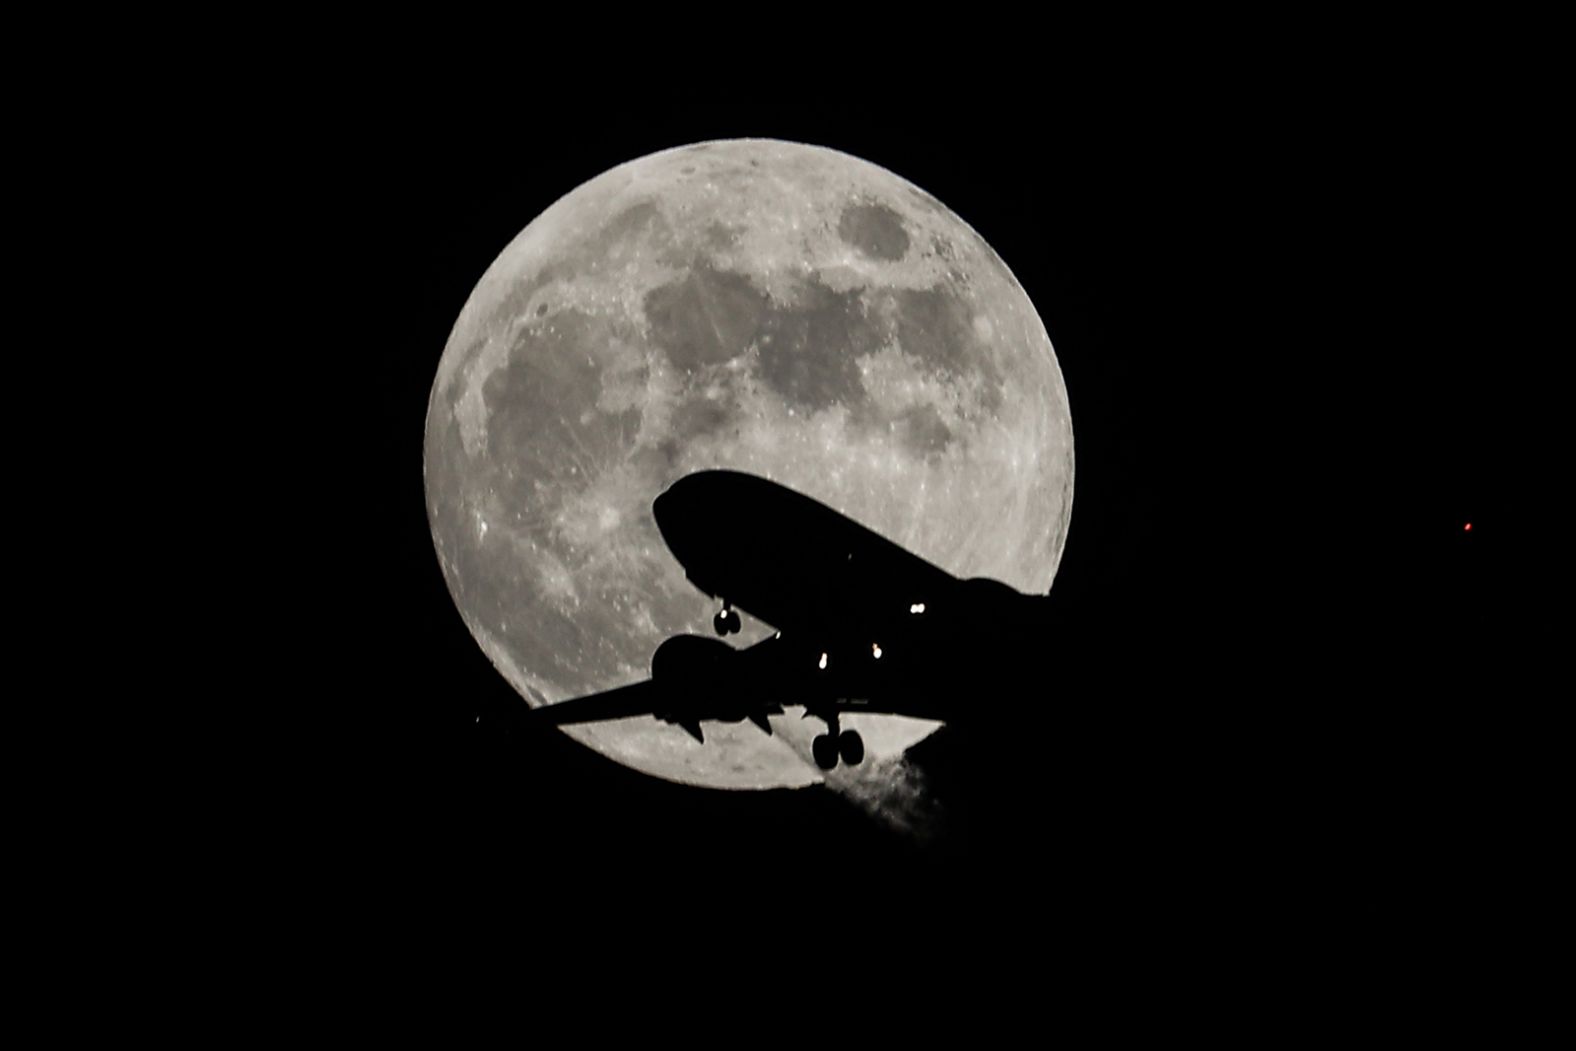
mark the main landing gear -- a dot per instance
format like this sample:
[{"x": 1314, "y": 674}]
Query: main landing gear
[
  {"x": 827, "y": 747},
  {"x": 727, "y": 621}
]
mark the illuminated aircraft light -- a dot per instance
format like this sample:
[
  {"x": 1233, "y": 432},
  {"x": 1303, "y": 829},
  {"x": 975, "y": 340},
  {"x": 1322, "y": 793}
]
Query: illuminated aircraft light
[
  {"x": 823, "y": 662},
  {"x": 1467, "y": 528},
  {"x": 875, "y": 650},
  {"x": 918, "y": 607}
]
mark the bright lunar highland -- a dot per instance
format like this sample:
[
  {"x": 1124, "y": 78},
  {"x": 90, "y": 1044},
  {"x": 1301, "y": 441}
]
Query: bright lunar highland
[{"x": 766, "y": 306}]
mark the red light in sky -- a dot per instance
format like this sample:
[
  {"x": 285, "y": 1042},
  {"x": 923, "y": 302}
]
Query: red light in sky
[{"x": 1467, "y": 528}]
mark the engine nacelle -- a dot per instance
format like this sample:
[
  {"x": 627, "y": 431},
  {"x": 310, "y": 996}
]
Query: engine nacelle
[
  {"x": 690, "y": 660},
  {"x": 696, "y": 676}
]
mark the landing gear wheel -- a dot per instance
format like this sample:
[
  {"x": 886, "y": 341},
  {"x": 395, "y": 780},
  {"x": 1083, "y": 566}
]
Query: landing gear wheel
[
  {"x": 851, "y": 747},
  {"x": 727, "y": 622},
  {"x": 735, "y": 624},
  {"x": 824, "y": 748},
  {"x": 720, "y": 623}
]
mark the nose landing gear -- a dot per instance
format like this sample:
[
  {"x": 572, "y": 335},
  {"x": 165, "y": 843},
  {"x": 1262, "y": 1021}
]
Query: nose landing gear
[{"x": 727, "y": 621}]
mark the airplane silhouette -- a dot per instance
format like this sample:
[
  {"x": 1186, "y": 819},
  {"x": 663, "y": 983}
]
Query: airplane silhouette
[{"x": 863, "y": 624}]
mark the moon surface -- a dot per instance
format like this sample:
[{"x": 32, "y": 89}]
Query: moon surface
[{"x": 766, "y": 306}]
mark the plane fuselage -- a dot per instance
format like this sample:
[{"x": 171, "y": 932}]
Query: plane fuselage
[{"x": 862, "y": 621}]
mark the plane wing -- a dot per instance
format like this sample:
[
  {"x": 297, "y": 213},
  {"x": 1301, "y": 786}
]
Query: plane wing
[
  {"x": 694, "y": 678},
  {"x": 699, "y": 679},
  {"x": 622, "y": 702}
]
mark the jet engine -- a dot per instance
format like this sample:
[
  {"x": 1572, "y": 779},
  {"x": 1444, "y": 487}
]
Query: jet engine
[
  {"x": 695, "y": 673},
  {"x": 690, "y": 660}
]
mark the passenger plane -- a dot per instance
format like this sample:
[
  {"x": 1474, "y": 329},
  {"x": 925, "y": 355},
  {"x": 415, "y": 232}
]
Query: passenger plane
[{"x": 862, "y": 624}]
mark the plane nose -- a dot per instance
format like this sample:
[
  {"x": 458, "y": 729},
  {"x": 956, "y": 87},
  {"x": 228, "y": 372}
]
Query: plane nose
[
  {"x": 669, "y": 509},
  {"x": 682, "y": 512}
]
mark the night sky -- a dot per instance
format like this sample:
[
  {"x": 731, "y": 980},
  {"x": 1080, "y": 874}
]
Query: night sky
[{"x": 1263, "y": 675}]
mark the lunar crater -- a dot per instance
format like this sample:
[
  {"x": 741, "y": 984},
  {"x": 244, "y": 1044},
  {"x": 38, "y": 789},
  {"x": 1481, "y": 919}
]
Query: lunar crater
[{"x": 875, "y": 230}]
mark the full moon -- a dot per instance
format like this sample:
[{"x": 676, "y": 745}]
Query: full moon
[{"x": 766, "y": 306}]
